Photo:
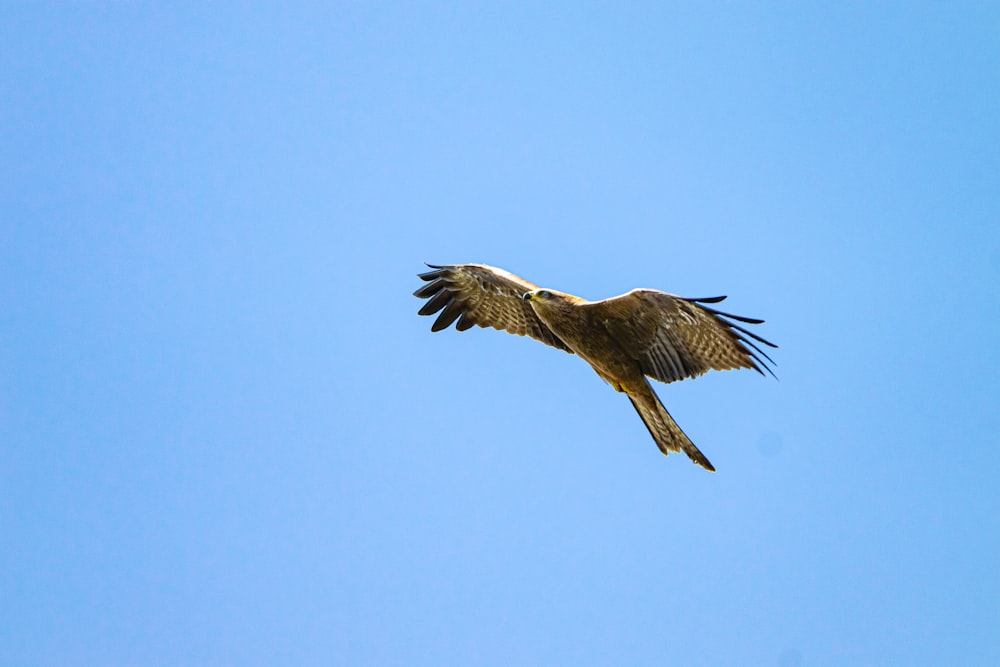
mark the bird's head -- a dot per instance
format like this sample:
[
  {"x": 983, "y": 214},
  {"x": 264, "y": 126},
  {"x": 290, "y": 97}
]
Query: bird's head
[
  {"x": 538, "y": 295},
  {"x": 548, "y": 299}
]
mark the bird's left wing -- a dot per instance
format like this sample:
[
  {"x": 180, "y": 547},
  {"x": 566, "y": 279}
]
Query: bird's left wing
[
  {"x": 674, "y": 338},
  {"x": 485, "y": 296}
]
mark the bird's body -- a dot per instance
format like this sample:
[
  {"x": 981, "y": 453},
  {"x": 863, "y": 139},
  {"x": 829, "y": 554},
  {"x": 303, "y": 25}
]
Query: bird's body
[
  {"x": 643, "y": 333},
  {"x": 565, "y": 315}
]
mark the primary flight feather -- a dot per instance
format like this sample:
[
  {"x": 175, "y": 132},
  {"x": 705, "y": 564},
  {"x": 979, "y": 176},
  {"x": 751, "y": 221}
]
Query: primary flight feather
[{"x": 627, "y": 338}]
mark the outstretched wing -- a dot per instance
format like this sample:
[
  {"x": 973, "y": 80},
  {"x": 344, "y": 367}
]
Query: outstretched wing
[
  {"x": 484, "y": 296},
  {"x": 674, "y": 338}
]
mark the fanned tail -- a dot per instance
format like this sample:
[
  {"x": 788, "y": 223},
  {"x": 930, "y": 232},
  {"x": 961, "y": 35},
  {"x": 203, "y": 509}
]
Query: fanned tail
[{"x": 666, "y": 433}]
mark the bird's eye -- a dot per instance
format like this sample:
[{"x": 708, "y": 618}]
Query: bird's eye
[{"x": 545, "y": 294}]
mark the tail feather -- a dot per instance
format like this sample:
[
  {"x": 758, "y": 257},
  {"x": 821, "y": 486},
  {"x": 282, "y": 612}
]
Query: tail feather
[{"x": 666, "y": 433}]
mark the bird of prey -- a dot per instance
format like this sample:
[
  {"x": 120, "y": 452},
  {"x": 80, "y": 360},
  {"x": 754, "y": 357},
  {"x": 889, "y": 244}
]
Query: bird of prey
[{"x": 627, "y": 338}]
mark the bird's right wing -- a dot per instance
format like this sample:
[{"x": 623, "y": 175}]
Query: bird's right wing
[
  {"x": 675, "y": 338},
  {"x": 484, "y": 296}
]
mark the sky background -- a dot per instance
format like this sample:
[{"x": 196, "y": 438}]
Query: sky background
[{"x": 226, "y": 437}]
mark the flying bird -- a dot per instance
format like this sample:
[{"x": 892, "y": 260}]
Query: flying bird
[{"x": 642, "y": 334}]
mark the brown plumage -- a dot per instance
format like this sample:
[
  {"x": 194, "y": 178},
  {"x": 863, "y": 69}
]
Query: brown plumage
[{"x": 627, "y": 338}]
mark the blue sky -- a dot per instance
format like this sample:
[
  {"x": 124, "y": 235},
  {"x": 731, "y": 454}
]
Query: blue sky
[{"x": 226, "y": 438}]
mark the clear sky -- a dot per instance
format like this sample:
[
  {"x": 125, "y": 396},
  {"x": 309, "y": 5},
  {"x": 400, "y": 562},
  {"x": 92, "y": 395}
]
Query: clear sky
[{"x": 226, "y": 437}]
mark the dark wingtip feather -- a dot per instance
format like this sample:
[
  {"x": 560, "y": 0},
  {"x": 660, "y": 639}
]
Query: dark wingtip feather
[
  {"x": 743, "y": 336},
  {"x": 740, "y": 318},
  {"x": 464, "y": 322},
  {"x": 438, "y": 271},
  {"x": 756, "y": 362},
  {"x": 766, "y": 368},
  {"x": 708, "y": 299},
  {"x": 447, "y": 316},
  {"x": 759, "y": 351},
  {"x": 753, "y": 335},
  {"x": 436, "y": 303},
  {"x": 430, "y": 289}
]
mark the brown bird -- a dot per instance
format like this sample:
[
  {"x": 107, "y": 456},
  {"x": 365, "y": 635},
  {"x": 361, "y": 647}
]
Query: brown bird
[{"x": 627, "y": 338}]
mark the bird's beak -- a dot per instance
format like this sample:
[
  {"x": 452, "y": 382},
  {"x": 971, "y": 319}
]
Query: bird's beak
[{"x": 528, "y": 296}]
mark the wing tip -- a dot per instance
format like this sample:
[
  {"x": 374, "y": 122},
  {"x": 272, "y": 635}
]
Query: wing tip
[
  {"x": 744, "y": 339},
  {"x": 708, "y": 299}
]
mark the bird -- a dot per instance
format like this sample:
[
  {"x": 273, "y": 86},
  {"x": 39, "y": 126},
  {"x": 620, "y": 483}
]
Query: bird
[{"x": 627, "y": 339}]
